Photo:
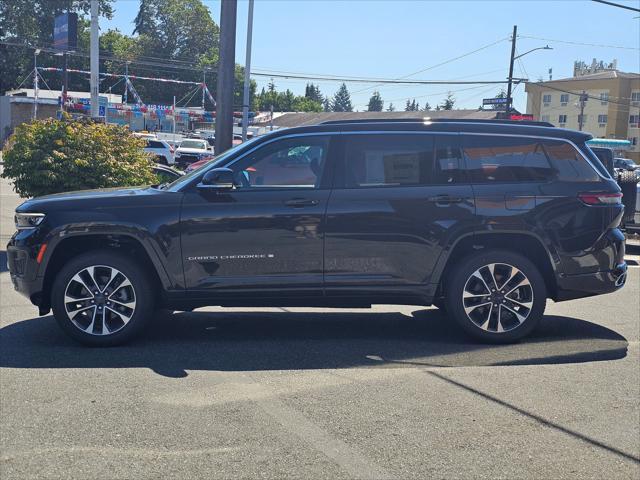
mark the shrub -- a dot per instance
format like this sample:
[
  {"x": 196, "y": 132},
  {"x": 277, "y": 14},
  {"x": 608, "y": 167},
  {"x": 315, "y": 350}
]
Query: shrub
[{"x": 52, "y": 156}]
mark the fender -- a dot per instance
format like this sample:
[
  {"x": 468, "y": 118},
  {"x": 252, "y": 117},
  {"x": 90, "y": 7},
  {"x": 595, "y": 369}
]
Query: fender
[
  {"x": 133, "y": 231},
  {"x": 477, "y": 236}
]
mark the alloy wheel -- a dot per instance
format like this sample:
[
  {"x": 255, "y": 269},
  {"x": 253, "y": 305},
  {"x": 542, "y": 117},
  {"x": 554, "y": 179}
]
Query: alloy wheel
[
  {"x": 100, "y": 300},
  {"x": 497, "y": 297}
]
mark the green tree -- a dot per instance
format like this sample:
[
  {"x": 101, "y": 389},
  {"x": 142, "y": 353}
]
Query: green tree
[
  {"x": 312, "y": 92},
  {"x": 391, "y": 108},
  {"x": 52, "y": 156},
  {"x": 326, "y": 105},
  {"x": 375, "y": 102},
  {"x": 407, "y": 106},
  {"x": 342, "y": 100},
  {"x": 449, "y": 102},
  {"x": 30, "y": 22},
  {"x": 304, "y": 104},
  {"x": 427, "y": 107}
]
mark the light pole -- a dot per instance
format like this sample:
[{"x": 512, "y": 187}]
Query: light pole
[
  {"x": 247, "y": 75},
  {"x": 513, "y": 59},
  {"x": 35, "y": 83}
]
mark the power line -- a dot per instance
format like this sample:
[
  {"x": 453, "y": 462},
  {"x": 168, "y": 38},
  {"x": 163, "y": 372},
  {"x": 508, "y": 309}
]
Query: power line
[
  {"x": 570, "y": 42},
  {"x": 381, "y": 81},
  {"x": 617, "y": 5},
  {"x": 443, "y": 63}
]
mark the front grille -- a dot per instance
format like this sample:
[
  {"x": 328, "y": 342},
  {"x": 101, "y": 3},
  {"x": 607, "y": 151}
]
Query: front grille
[
  {"x": 188, "y": 158},
  {"x": 16, "y": 262}
]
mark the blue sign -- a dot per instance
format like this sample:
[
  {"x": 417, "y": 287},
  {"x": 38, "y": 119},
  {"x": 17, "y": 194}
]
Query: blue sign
[
  {"x": 65, "y": 31},
  {"x": 494, "y": 101}
]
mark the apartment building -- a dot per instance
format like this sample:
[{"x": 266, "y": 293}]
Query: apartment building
[{"x": 611, "y": 106}]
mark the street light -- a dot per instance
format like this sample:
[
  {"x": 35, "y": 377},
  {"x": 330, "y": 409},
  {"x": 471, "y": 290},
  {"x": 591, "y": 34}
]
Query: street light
[{"x": 546, "y": 47}]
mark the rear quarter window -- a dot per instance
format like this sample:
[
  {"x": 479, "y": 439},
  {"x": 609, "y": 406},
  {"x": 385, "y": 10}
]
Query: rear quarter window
[
  {"x": 499, "y": 159},
  {"x": 569, "y": 164},
  {"x": 154, "y": 144}
]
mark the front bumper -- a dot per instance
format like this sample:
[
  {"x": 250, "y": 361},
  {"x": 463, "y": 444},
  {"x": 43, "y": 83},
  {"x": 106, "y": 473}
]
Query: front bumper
[{"x": 23, "y": 266}]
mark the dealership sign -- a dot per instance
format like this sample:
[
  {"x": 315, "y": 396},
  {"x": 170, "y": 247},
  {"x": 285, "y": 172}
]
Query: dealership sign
[{"x": 65, "y": 31}]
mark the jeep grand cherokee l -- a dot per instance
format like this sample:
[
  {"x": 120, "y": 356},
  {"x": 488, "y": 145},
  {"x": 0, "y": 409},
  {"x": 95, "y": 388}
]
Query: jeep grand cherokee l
[{"x": 484, "y": 219}]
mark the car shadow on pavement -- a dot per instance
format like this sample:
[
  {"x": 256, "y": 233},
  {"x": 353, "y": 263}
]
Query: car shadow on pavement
[
  {"x": 259, "y": 340},
  {"x": 3, "y": 261}
]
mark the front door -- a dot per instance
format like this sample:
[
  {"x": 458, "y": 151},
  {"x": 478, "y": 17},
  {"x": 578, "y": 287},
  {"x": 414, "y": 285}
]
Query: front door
[
  {"x": 398, "y": 201},
  {"x": 267, "y": 233}
]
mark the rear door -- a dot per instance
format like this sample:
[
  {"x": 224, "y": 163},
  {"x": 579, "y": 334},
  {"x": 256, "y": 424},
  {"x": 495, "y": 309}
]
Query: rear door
[{"x": 398, "y": 200}]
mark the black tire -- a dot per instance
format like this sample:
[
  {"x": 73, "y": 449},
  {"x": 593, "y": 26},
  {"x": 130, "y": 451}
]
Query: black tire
[
  {"x": 513, "y": 328},
  {"x": 627, "y": 176},
  {"x": 627, "y": 180},
  {"x": 143, "y": 299}
]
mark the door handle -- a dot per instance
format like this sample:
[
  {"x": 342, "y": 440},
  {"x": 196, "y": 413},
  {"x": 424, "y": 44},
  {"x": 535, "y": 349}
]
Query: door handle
[
  {"x": 301, "y": 202},
  {"x": 445, "y": 199}
]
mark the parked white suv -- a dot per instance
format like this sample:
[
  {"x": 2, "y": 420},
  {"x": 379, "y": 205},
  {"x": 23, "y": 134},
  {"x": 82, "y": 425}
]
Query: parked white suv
[
  {"x": 162, "y": 151},
  {"x": 192, "y": 150}
]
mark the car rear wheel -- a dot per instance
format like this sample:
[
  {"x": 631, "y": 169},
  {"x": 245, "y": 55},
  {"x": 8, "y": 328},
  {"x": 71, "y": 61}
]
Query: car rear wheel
[
  {"x": 102, "y": 299},
  {"x": 496, "y": 296}
]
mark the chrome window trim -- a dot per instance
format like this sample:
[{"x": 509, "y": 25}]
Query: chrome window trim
[{"x": 418, "y": 132}]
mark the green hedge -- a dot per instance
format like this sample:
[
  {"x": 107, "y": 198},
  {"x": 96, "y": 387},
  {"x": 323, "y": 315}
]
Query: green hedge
[{"x": 52, "y": 156}]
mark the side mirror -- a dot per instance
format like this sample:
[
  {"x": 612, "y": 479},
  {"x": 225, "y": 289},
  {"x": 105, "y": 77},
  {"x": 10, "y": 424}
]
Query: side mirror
[{"x": 217, "y": 179}]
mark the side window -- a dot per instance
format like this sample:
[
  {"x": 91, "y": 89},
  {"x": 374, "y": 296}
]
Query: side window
[
  {"x": 154, "y": 144},
  {"x": 568, "y": 163},
  {"x": 506, "y": 159},
  {"x": 449, "y": 166},
  {"x": 289, "y": 163},
  {"x": 388, "y": 160}
]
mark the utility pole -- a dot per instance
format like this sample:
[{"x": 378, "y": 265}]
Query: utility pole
[
  {"x": 95, "y": 67},
  {"x": 174, "y": 122},
  {"x": 247, "y": 75},
  {"x": 512, "y": 59},
  {"x": 65, "y": 79},
  {"x": 226, "y": 74},
  {"x": 35, "y": 83},
  {"x": 583, "y": 99},
  {"x": 204, "y": 82},
  {"x": 126, "y": 81}
]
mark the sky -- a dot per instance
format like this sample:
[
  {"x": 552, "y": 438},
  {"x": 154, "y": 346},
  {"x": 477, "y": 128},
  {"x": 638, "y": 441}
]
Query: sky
[{"x": 394, "y": 39}]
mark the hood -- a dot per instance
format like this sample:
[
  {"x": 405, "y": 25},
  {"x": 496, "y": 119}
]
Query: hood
[
  {"x": 87, "y": 197},
  {"x": 192, "y": 150}
]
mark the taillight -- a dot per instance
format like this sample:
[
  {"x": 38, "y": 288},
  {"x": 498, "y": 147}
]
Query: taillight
[{"x": 601, "y": 198}]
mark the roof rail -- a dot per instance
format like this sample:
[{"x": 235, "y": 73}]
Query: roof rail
[{"x": 439, "y": 120}]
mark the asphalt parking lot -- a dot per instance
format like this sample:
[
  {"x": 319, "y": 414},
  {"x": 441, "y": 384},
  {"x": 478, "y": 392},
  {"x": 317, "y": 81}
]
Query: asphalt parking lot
[{"x": 392, "y": 392}]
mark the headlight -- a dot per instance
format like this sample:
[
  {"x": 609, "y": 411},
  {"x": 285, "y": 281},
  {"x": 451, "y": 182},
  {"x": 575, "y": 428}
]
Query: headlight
[{"x": 28, "y": 220}]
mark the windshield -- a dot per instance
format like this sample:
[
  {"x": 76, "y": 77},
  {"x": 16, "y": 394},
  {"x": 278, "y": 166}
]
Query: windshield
[
  {"x": 193, "y": 144},
  {"x": 220, "y": 159}
]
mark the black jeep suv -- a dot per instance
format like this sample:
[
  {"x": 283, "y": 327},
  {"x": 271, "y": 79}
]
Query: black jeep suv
[{"x": 484, "y": 219}]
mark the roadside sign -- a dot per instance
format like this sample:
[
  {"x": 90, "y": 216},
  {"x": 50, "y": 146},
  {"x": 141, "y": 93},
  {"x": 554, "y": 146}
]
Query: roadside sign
[
  {"x": 65, "y": 31},
  {"x": 494, "y": 101}
]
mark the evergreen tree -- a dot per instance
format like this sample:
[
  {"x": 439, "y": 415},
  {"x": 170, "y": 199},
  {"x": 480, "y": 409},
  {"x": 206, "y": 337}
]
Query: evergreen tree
[
  {"x": 375, "y": 102},
  {"x": 271, "y": 86},
  {"x": 391, "y": 108},
  {"x": 326, "y": 105},
  {"x": 427, "y": 107},
  {"x": 312, "y": 92},
  {"x": 407, "y": 107},
  {"x": 413, "y": 105},
  {"x": 342, "y": 100},
  {"x": 449, "y": 102}
]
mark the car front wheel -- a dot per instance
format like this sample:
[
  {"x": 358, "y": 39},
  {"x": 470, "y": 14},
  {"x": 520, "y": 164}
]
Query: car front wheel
[
  {"x": 496, "y": 296},
  {"x": 102, "y": 299}
]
